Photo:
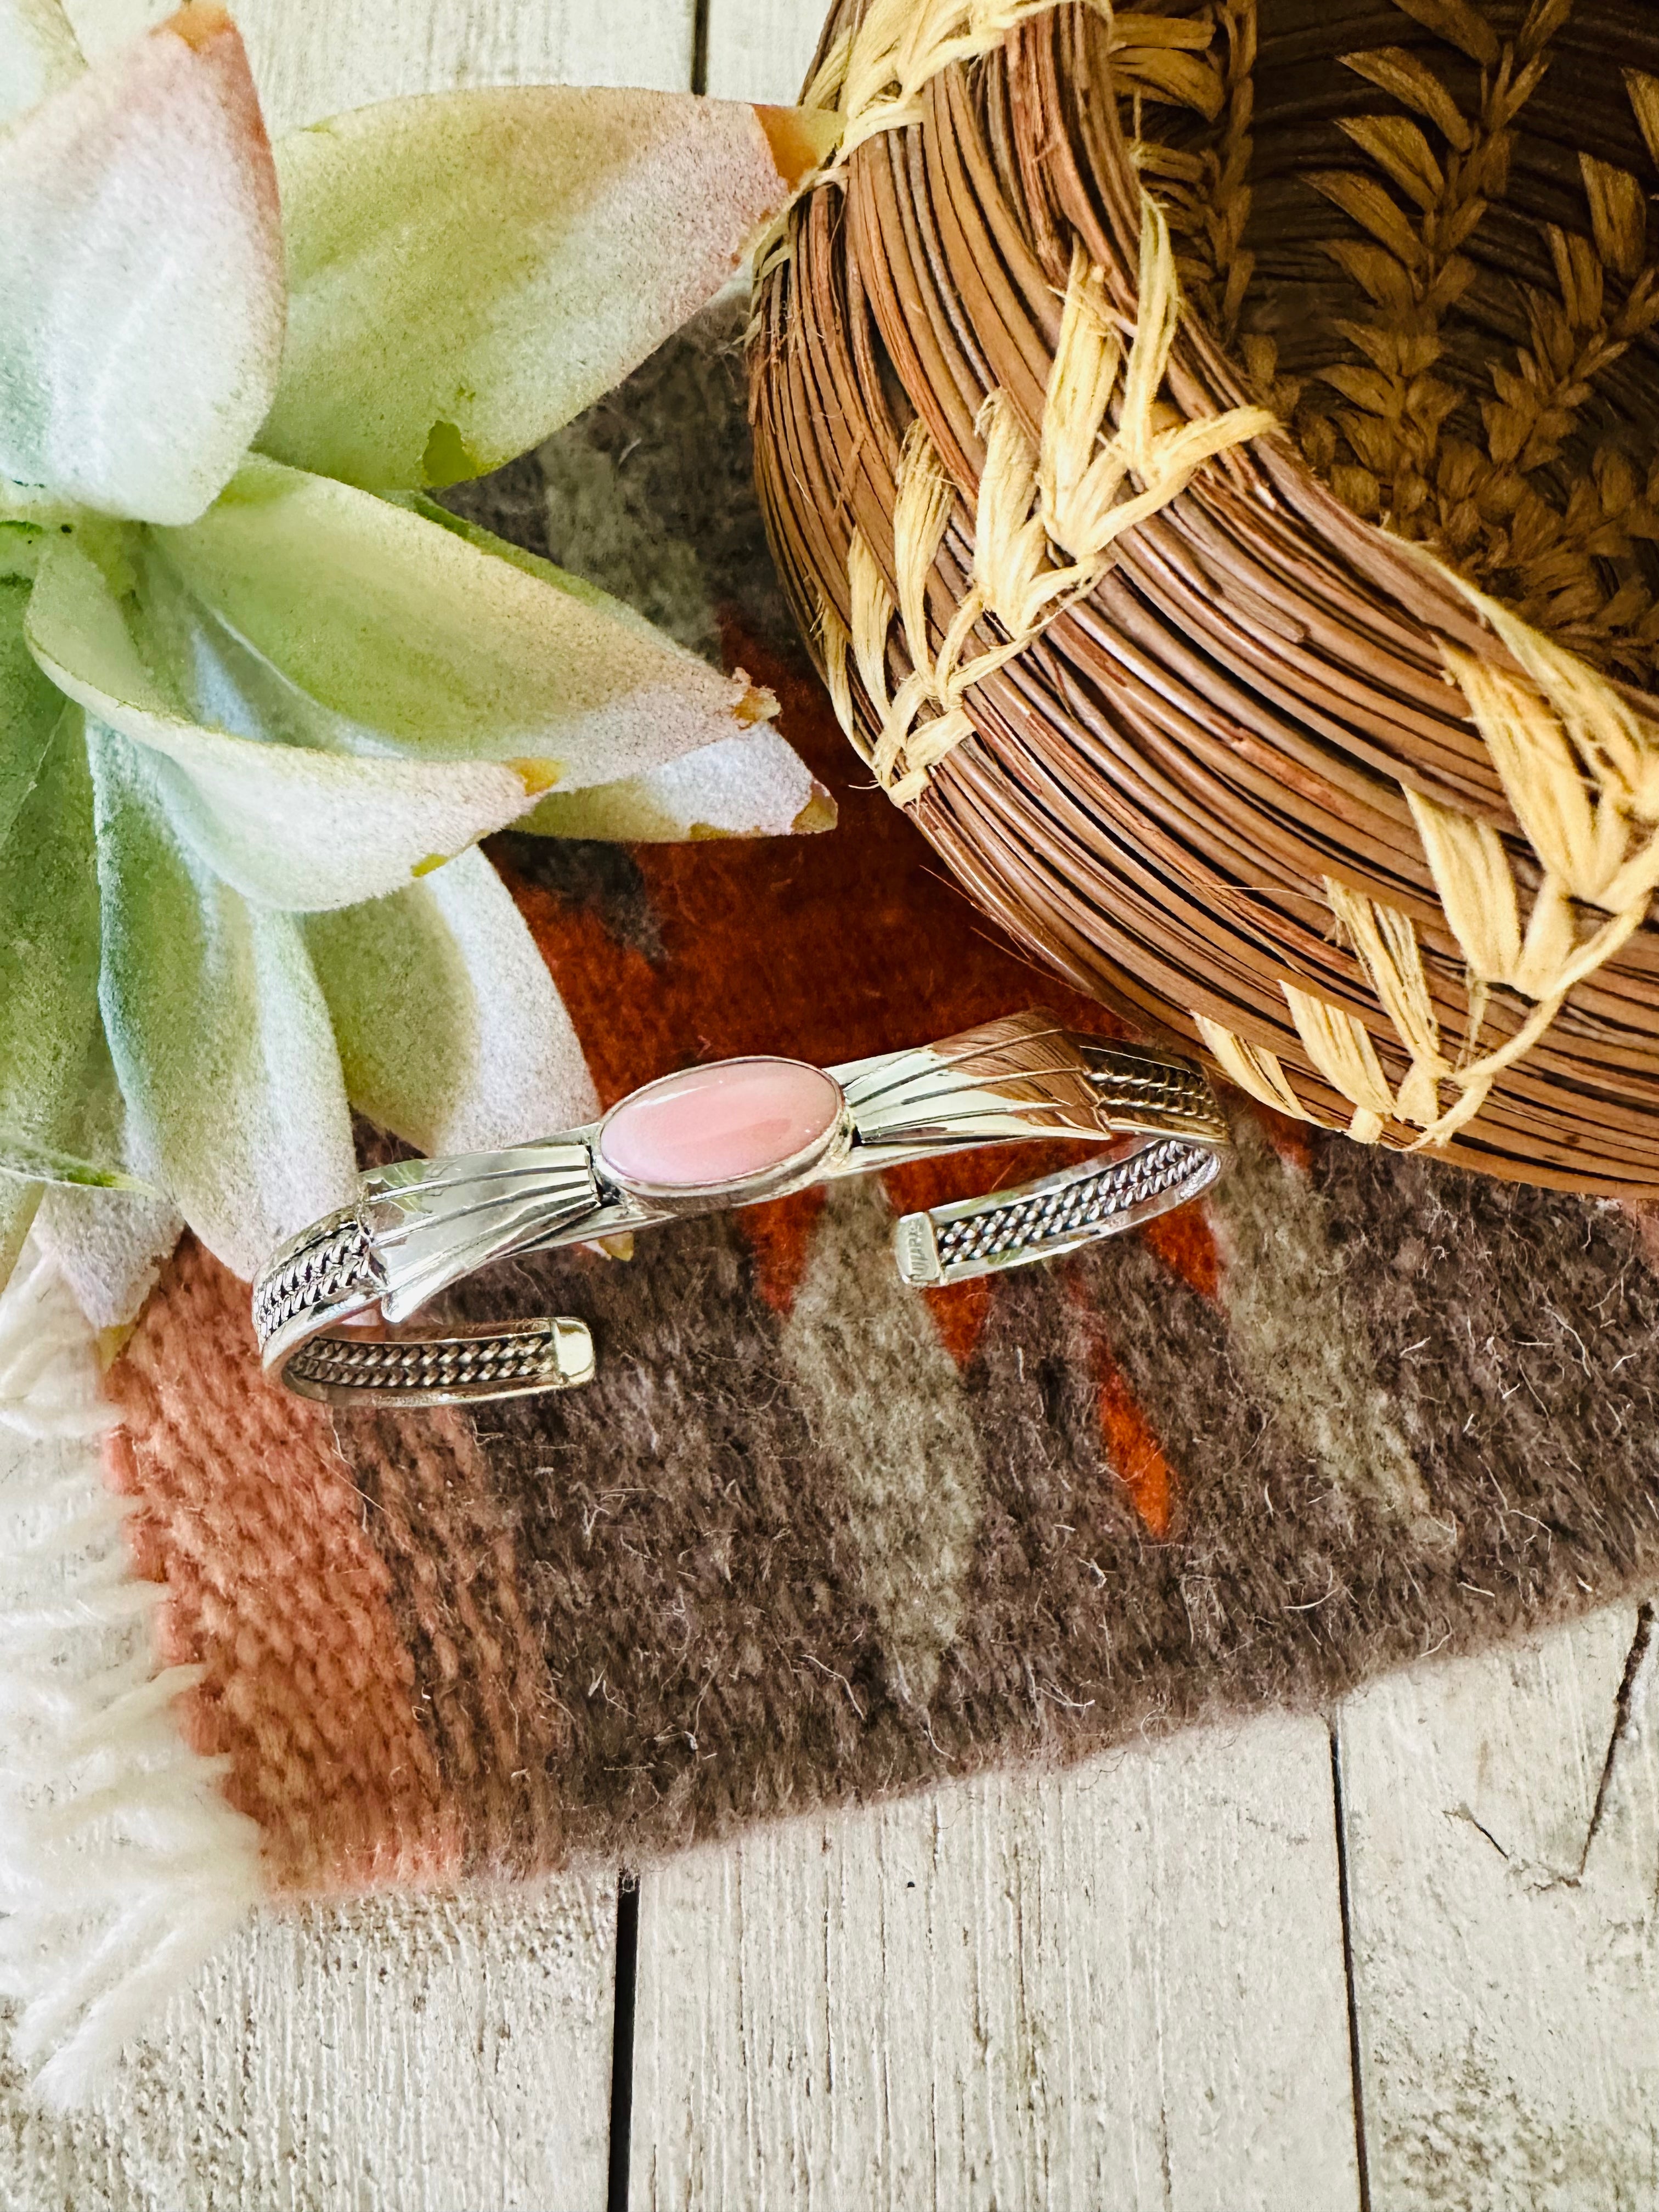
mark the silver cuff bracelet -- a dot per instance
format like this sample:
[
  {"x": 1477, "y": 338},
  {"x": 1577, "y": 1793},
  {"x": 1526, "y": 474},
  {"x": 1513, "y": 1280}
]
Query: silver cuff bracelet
[{"x": 731, "y": 1134}]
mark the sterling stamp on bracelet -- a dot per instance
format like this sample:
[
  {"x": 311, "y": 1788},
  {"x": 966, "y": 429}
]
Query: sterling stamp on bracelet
[{"x": 732, "y": 1134}]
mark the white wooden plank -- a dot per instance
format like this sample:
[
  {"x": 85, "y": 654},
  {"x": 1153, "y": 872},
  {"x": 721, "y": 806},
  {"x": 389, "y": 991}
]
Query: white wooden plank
[
  {"x": 315, "y": 57},
  {"x": 395, "y": 2055},
  {"x": 1505, "y": 1931},
  {"x": 407, "y": 2053},
  {"x": 100, "y": 24},
  {"x": 1122, "y": 1988},
  {"x": 762, "y": 49}
]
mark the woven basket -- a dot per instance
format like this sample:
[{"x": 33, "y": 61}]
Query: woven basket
[{"x": 1214, "y": 453}]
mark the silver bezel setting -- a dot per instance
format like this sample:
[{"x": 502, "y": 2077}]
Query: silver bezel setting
[
  {"x": 808, "y": 1164},
  {"x": 418, "y": 1226}
]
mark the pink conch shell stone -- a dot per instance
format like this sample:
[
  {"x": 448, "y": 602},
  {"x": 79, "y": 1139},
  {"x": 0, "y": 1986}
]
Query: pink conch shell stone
[{"x": 719, "y": 1125}]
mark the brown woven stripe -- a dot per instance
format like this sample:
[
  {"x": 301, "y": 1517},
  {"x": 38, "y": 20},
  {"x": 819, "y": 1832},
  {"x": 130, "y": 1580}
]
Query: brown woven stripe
[
  {"x": 459, "y": 1596},
  {"x": 1361, "y": 1409}
]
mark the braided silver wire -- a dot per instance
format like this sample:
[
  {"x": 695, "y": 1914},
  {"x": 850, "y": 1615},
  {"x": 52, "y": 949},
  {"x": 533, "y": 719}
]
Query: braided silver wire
[
  {"x": 1135, "y": 1087},
  {"x": 532, "y": 1356},
  {"x": 1027, "y": 1225},
  {"x": 421, "y": 1226},
  {"x": 331, "y": 1262}
]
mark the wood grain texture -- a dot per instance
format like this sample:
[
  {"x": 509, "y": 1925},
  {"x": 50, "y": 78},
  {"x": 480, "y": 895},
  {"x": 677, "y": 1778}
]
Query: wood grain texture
[
  {"x": 1122, "y": 1987},
  {"x": 1502, "y": 1870},
  {"x": 394, "y": 2055},
  {"x": 762, "y": 49},
  {"x": 316, "y": 58}
]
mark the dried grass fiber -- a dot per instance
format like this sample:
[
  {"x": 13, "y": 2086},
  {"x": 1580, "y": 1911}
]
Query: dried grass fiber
[{"x": 1345, "y": 763}]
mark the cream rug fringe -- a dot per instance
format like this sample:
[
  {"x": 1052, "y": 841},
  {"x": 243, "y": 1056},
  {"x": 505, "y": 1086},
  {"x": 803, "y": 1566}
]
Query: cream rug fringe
[{"x": 121, "y": 1865}]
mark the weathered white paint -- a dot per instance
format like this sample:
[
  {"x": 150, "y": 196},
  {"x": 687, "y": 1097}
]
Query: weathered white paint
[
  {"x": 396, "y": 2055},
  {"x": 1122, "y": 1987},
  {"x": 316, "y": 58},
  {"x": 100, "y": 24},
  {"x": 409, "y": 2053},
  {"x": 1506, "y": 1958},
  {"x": 1119, "y": 1988},
  {"x": 762, "y": 49}
]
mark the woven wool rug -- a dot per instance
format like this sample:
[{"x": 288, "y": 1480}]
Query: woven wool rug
[{"x": 812, "y": 1536}]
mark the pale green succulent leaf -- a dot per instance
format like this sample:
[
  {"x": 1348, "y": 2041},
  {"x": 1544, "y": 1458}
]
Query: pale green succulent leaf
[
  {"x": 39, "y": 54},
  {"x": 19, "y": 1203},
  {"x": 451, "y": 1032},
  {"x": 31, "y": 707},
  {"x": 20, "y": 548},
  {"x": 432, "y": 640},
  {"x": 289, "y": 826},
  {"x": 218, "y": 1031},
  {"x": 108, "y": 1243},
  {"x": 44, "y": 1163},
  {"x": 528, "y": 564},
  {"x": 468, "y": 270},
  {"x": 48, "y": 967},
  {"x": 141, "y": 270},
  {"x": 752, "y": 785},
  {"x": 218, "y": 676}
]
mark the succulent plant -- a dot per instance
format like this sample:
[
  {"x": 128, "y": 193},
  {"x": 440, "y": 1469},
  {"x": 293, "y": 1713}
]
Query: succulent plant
[{"x": 259, "y": 696}]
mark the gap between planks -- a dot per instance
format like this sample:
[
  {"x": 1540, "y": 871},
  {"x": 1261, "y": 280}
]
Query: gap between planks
[
  {"x": 1502, "y": 1834},
  {"x": 311, "y": 59},
  {"x": 1118, "y": 1987},
  {"x": 1402, "y": 1959},
  {"x": 1498, "y": 1836}
]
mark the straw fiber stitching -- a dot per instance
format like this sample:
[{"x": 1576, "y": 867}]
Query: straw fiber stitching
[{"x": 1265, "y": 772}]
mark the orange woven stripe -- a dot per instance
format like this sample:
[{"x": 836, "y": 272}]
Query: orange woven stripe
[
  {"x": 1130, "y": 1442},
  {"x": 1183, "y": 1241},
  {"x": 1133, "y": 1450},
  {"x": 251, "y": 1516},
  {"x": 780, "y": 1237}
]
